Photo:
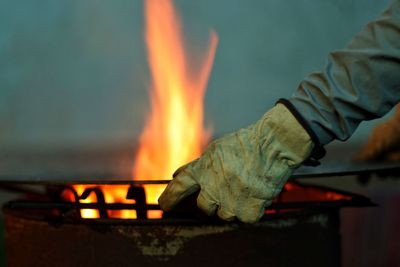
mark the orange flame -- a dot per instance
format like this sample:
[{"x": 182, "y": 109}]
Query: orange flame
[
  {"x": 112, "y": 194},
  {"x": 174, "y": 133}
]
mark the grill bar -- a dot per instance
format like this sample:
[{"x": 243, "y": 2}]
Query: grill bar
[
  {"x": 24, "y": 204},
  {"x": 49, "y": 177}
]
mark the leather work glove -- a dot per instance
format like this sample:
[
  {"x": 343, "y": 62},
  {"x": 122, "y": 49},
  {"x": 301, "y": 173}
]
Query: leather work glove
[
  {"x": 239, "y": 174},
  {"x": 384, "y": 142}
]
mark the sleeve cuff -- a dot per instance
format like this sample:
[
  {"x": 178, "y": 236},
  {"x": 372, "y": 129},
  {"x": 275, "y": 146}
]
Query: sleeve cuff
[{"x": 318, "y": 151}]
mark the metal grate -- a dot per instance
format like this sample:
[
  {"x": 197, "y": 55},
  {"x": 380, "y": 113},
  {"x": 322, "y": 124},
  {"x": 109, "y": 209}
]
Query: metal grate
[{"x": 50, "y": 199}]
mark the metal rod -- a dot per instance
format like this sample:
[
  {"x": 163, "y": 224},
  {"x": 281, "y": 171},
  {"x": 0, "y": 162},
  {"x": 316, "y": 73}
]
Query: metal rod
[
  {"x": 327, "y": 170},
  {"x": 100, "y": 200},
  {"x": 15, "y": 188},
  {"x": 22, "y": 204}
]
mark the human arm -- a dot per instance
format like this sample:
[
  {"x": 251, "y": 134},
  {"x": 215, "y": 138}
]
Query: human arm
[
  {"x": 360, "y": 82},
  {"x": 240, "y": 173}
]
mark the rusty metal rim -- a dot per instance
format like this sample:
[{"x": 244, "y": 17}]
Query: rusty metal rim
[{"x": 204, "y": 221}]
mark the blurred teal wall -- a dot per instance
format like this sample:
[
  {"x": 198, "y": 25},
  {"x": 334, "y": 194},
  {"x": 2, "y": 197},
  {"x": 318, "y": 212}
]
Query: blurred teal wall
[{"x": 74, "y": 72}]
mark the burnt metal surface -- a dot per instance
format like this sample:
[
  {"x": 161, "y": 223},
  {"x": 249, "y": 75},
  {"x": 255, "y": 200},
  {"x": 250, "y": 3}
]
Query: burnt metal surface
[{"x": 305, "y": 239}]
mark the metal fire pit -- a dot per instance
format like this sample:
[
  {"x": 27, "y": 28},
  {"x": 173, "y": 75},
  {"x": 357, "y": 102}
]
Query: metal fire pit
[
  {"x": 309, "y": 239},
  {"x": 300, "y": 228}
]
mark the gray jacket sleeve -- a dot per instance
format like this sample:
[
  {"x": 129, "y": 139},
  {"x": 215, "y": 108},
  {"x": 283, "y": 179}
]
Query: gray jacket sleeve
[{"x": 360, "y": 82}]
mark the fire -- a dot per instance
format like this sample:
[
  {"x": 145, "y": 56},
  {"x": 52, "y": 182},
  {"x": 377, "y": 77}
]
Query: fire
[
  {"x": 112, "y": 194},
  {"x": 173, "y": 134}
]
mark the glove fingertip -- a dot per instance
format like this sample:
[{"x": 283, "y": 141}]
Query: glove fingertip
[
  {"x": 207, "y": 206},
  {"x": 255, "y": 210},
  {"x": 164, "y": 202},
  {"x": 179, "y": 188},
  {"x": 225, "y": 214}
]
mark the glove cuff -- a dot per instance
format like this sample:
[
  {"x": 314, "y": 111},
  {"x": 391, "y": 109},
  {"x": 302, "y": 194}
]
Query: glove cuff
[
  {"x": 318, "y": 151},
  {"x": 282, "y": 138}
]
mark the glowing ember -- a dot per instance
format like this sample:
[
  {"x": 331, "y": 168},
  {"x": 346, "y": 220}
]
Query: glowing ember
[{"x": 173, "y": 134}]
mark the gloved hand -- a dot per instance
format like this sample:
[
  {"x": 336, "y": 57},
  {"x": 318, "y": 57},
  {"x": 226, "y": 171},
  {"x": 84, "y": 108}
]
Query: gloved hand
[
  {"x": 239, "y": 174},
  {"x": 384, "y": 142}
]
